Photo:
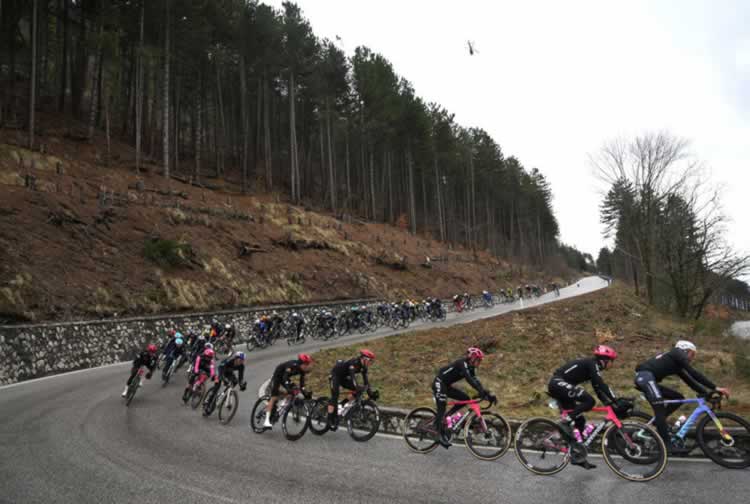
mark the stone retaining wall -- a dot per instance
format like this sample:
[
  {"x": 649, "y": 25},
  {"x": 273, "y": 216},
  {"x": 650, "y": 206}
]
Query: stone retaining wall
[{"x": 32, "y": 351}]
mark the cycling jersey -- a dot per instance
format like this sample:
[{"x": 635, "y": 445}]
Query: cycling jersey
[
  {"x": 284, "y": 372},
  {"x": 204, "y": 364},
  {"x": 675, "y": 362},
  {"x": 347, "y": 370},
  {"x": 582, "y": 370},
  {"x": 227, "y": 369},
  {"x": 171, "y": 348},
  {"x": 460, "y": 370},
  {"x": 145, "y": 359}
]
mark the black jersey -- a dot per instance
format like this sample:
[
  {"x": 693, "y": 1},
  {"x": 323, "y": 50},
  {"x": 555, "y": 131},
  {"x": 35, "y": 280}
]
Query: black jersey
[
  {"x": 284, "y": 372},
  {"x": 460, "y": 370},
  {"x": 227, "y": 366},
  {"x": 580, "y": 371},
  {"x": 675, "y": 362},
  {"x": 350, "y": 368}
]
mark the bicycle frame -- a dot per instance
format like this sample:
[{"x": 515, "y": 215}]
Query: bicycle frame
[
  {"x": 610, "y": 418},
  {"x": 702, "y": 408}
]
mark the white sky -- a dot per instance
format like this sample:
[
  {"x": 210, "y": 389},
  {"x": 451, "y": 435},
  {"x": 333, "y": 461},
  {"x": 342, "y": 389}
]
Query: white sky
[{"x": 554, "y": 80}]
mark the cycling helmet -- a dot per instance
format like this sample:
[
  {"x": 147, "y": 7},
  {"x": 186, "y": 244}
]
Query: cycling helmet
[
  {"x": 240, "y": 355},
  {"x": 367, "y": 354},
  {"x": 178, "y": 342},
  {"x": 685, "y": 345},
  {"x": 171, "y": 332},
  {"x": 201, "y": 337},
  {"x": 605, "y": 352},
  {"x": 304, "y": 358},
  {"x": 209, "y": 346},
  {"x": 208, "y": 352},
  {"x": 151, "y": 348},
  {"x": 177, "y": 335},
  {"x": 228, "y": 326},
  {"x": 474, "y": 353}
]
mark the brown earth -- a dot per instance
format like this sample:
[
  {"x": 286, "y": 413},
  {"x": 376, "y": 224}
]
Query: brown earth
[
  {"x": 524, "y": 348},
  {"x": 74, "y": 245}
]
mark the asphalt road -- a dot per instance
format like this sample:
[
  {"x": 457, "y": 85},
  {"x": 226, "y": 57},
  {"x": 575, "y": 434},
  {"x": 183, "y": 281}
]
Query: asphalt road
[{"x": 70, "y": 439}]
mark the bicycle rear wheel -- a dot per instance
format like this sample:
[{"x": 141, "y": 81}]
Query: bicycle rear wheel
[
  {"x": 197, "y": 396},
  {"x": 729, "y": 447},
  {"x": 258, "y": 414},
  {"x": 131, "y": 392},
  {"x": 419, "y": 430},
  {"x": 363, "y": 421},
  {"x": 228, "y": 406},
  {"x": 635, "y": 451},
  {"x": 487, "y": 438},
  {"x": 295, "y": 420},
  {"x": 319, "y": 416},
  {"x": 542, "y": 447}
]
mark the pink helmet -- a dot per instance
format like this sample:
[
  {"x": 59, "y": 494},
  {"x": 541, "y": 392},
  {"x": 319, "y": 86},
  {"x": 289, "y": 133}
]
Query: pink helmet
[
  {"x": 605, "y": 352},
  {"x": 474, "y": 353},
  {"x": 208, "y": 352}
]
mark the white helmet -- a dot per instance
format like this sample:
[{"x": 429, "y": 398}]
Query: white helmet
[{"x": 685, "y": 345}]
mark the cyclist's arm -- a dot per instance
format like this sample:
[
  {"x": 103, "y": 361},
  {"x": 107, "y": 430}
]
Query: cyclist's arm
[
  {"x": 472, "y": 379},
  {"x": 241, "y": 373},
  {"x": 603, "y": 391},
  {"x": 353, "y": 375},
  {"x": 196, "y": 369},
  {"x": 696, "y": 380}
]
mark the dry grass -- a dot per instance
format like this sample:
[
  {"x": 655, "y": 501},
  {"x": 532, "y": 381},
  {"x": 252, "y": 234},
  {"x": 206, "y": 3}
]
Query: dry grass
[{"x": 524, "y": 348}]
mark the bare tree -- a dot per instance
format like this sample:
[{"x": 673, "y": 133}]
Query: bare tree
[{"x": 32, "y": 101}]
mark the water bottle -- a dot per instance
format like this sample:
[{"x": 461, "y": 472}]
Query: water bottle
[
  {"x": 588, "y": 430},
  {"x": 455, "y": 418},
  {"x": 680, "y": 421}
]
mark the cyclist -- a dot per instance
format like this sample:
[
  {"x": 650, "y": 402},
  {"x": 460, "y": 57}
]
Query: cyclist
[
  {"x": 487, "y": 297},
  {"x": 298, "y": 323},
  {"x": 204, "y": 364},
  {"x": 344, "y": 374},
  {"x": 461, "y": 369},
  {"x": 225, "y": 373},
  {"x": 282, "y": 376},
  {"x": 174, "y": 349},
  {"x": 676, "y": 361},
  {"x": 565, "y": 387},
  {"x": 148, "y": 358}
]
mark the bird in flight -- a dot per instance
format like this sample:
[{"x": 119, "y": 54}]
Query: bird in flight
[{"x": 472, "y": 48}]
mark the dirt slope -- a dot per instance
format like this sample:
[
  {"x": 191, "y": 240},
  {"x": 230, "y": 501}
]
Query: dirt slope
[{"x": 75, "y": 246}]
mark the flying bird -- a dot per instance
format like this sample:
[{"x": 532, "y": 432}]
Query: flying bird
[{"x": 472, "y": 49}]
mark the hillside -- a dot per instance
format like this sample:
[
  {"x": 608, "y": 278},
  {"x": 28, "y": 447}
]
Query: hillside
[
  {"x": 92, "y": 240},
  {"x": 525, "y": 347}
]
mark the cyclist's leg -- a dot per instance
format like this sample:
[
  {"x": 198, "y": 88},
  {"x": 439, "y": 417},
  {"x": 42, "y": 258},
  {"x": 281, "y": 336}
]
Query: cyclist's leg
[
  {"x": 571, "y": 398},
  {"x": 441, "y": 400},
  {"x": 646, "y": 383},
  {"x": 670, "y": 395},
  {"x": 458, "y": 395}
]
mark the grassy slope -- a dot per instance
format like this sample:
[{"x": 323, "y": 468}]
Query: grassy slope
[{"x": 525, "y": 347}]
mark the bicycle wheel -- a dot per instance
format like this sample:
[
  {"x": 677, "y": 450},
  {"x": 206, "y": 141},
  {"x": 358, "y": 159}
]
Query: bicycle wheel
[
  {"x": 131, "y": 392},
  {"x": 419, "y": 430},
  {"x": 728, "y": 443},
  {"x": 319, "y": 416},
  {"x": 363, "y": 421},
  {"x": 258, "y": 414},
  {"x": 197, "y": 396},
  {"x": 635, "y": 451},
  {"x": 542, "y": 447},
  {"x": 209, "y": 404},
  {"x": 228, "y": 406},
  {"x": 295, "y": 420},
  {"x": 487, "y": 438}
]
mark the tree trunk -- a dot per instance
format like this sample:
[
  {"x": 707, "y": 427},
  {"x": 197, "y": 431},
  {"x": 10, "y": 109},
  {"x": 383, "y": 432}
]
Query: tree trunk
[
  {"x": 139, "y": 92},
  {"x": 331, "y": 173},
  {"x": 165, "y": 125},
  {"x": 64, "y": 57},
  {"x": 412, "y": 198},
  {"x": 372, "y": 182},
  {"x": 95, "y": 85},
  {"x": 268, "y": 153},
  {"x": 348, "y": 179},
  {"x": 244, "y": 117},
  {"x": 293, "y": 139},
  {"x": 221, "y": 140},
  {"x": 199, "y": 131},
  {"x": 32, "y": 84},
  {"x": 438, "y": 198}
]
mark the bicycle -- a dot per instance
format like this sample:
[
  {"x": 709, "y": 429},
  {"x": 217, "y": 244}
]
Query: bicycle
[
  {"x": 135, "y": 384},
  {"x": 727, "y": 446},
  {"x": 293, "y": 410},
  {"x": 228, "y": 401},
  {"x": 632, "y": 450},
  {"x": 362, "y": 416},
  {"x": 170, "y": 369},
  {"x": 486, "y": 434},
  {"x": 197, "y": 393}
]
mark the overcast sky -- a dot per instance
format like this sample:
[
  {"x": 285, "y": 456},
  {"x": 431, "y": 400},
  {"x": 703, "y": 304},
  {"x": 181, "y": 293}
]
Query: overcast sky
[{"x": 554, "y": 80}]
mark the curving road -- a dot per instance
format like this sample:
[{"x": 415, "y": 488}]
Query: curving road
[{"x": 69, "y": 438}]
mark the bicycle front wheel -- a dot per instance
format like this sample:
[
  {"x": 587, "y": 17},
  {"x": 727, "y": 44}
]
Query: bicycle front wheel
[
  {"x": 542, "y": 447},
  {"x": 295, "y": 420},
  {"x": 488, "y": 437},
  {"x": 228, "y": 407},
  {"x": 131, "y": 393},
  {"x": 319, "y": 416},
  {"x": 363, "y": 421},
  {"x": 197, "y": 396},
  {"x": 635, "y": 451},
  {"x": 727, "y": 441},
  {"x": 419, "y": 430}
]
